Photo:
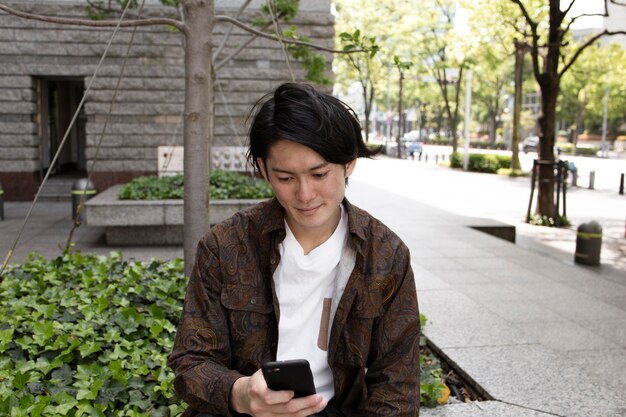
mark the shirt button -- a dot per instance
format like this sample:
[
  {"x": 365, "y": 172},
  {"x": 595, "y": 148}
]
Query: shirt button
[{"x": 253, "y": 301}]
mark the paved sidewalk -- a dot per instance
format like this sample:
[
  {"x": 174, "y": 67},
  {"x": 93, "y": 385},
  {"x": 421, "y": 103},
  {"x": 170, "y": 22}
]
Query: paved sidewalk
[{"x": 542, "y": 337}]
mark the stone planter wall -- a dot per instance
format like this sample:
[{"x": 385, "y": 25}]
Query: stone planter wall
[{"x": 149, "y": 222}]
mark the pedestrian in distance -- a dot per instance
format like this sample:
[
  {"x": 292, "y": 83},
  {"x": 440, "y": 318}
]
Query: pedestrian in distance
[{"x": 304, "y": 275}]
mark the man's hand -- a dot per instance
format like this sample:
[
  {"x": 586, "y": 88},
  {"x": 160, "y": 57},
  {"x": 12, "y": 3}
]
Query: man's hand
[{"x": 250, "y": 395}]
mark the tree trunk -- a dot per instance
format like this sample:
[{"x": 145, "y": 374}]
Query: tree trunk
[
  {"x": 400, "y": 124},
  {"x": 366, "y": 111},
  {"x": 549, "y": 84},
  {"x": 493, "y": 127},
  {"x": 545, "y": 196},
  {"x": 520, "y": 50},
  {"x": 198, "y": 128}
]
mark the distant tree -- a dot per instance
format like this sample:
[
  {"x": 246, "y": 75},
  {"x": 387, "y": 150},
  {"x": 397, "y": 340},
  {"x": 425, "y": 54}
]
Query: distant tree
[
  {"x": 552, "y": 57},
  {"x": 583, "y": 87},
  {"x": 444, "y": 55}
]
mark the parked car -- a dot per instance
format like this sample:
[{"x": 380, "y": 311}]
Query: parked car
[
  {"x": 530, "y": 144},
  {"x": 412, "y": 148},
  {"x": 410, "y": 145}
]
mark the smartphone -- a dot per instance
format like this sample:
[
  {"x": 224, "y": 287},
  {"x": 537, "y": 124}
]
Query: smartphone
[{"x": 294, "y": 375}]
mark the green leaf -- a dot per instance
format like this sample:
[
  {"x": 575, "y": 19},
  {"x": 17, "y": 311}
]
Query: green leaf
[
  {"x": 20, "y": 380},
  {"x": 6, "y": 337},
  {"x": 91, "y": 393},
  {"x": 65, "y": 403},
  {"x": 89, "y": 348}
]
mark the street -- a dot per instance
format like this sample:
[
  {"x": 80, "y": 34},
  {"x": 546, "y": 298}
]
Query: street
[
  {"x": 504, "y": 199},
  {"x": 607, "y": 170}
]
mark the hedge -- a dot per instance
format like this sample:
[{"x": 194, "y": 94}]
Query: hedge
[
  {"x": 223, "y": 185},
  {"x": 479, "y": 162}
]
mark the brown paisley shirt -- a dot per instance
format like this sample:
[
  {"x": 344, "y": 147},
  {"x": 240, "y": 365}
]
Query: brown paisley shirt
[{"x": 229, "y": 322}]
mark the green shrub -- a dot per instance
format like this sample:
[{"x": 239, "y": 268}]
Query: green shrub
[
  {"x": 512, "y": 172},
  {"x": 90, "y": 335},
  {"x": 548, "y": 221},
  {"x": 456, "y": 160},
  {"x": 586, "y": 150},
  {"x": 569, "y": 149},
  {"x": 480, "y": 162},
  {"x": 566, "y": 148},
  {"x": 223, "y": 185},
  {"x": 87, "y": 335}
]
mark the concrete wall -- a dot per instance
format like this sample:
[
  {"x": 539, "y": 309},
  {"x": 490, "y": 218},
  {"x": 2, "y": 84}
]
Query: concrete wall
[{"x": 149, "y": 105}]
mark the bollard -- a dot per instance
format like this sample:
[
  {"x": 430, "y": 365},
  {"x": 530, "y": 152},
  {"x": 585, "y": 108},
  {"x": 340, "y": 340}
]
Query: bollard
[
  {"x": 1, "y": 203},
  {"x": 426, "y": 158},
  {"x": 588, "y": 243},
  {"x": 621, "y": 184},
  {"x": 592, "y": 179},
  {"x": 81, "y": 187}
]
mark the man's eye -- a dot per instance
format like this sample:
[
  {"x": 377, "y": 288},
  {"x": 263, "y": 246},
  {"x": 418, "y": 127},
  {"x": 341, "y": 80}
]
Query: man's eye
[
  {"x": 320, "y": 174},
  {"x": 284, "y": 179}
]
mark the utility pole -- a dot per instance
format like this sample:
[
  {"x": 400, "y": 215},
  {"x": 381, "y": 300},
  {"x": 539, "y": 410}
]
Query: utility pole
[
  {"x": 468, "y": 112},
  {"x": 400, "y": 124}
]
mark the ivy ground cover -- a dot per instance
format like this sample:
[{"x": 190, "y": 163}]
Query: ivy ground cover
[{"x": 87, "y": 335}]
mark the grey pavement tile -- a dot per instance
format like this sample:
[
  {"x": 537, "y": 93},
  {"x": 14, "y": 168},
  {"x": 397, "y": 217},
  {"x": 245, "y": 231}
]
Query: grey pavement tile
[
  {"x": 538, "y": 378},
  {"x": 489, "y": 262},
  {"x": 565, "y": 336},
  {"x": 515, "y": 275},
  {"x": 481, "y": 409},
  {"x": 536, "y": 261},
  {"x": 583, "y": 307},
  {"x": 596, "y": 286},
  {"x": 463, "y": 277},
  {"x": 465, "y": 252},
  {"x": 618, "y": 301},
  {"x": 547, "y": 290},
  {"x": 441, "y": 264},
  {"x": 489, "y": 293},
  {"x": 424, "y": 252},
  {"x": 524, "y": 311},
  {"x": 606, "y": 365},
  {"x": 455, "y": 320},
  {"x": 426, "y": 280}
]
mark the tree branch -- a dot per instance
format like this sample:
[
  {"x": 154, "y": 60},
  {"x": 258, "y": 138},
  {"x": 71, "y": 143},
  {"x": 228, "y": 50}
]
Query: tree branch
[
  {"x": 589, "y": 42},
  {"x": 248, "y": 28},
  {"x": 241, "y": 47},
  {"x": 230, "y": 29},
  {"x": 534, "y": 51},
  {"x": 95, "y": 23},
  {"x": 569, "y": 7}
]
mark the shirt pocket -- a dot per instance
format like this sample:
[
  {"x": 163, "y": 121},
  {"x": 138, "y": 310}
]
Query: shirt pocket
[
  {"x": 357, "y": 333},
  {"x": 246, "y": 299},
  {"x": 251, "y": 326}
]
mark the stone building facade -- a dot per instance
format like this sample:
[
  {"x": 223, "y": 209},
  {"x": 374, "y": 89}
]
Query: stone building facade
[{"x": 46, "y": 68}]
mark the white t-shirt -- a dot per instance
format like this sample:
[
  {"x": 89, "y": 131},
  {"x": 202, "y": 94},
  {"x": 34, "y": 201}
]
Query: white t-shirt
[{"x": 305, "y": 285}]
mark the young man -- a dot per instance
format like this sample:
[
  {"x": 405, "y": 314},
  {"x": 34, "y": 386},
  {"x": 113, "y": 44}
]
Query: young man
[{"x": 305, "y": 275}]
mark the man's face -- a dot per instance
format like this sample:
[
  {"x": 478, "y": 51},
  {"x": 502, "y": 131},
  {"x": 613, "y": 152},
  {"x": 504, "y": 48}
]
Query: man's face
[{"x": 308, "y": 187}]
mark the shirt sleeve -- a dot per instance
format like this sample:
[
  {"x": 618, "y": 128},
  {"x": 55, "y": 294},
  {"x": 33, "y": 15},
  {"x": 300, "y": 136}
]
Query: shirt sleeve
[
  {"x": 201, "y": 355},
  {"x": 393, "y": 375}
]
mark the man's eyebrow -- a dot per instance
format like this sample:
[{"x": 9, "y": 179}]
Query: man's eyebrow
[{"x": 313, "y": 168}]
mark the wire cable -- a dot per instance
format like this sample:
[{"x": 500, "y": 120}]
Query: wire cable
[{"x": 67, "y": 133}]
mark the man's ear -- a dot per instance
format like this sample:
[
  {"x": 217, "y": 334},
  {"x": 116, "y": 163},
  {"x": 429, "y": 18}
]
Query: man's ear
[
  {"x": 262, "y": 168},
  {"x": 350, "y": 167}
]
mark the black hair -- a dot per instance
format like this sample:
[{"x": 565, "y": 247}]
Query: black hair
[{"x": 299, "y": 113}]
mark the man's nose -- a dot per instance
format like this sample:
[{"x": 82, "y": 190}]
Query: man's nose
[{"x": 305, "y": 191}]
